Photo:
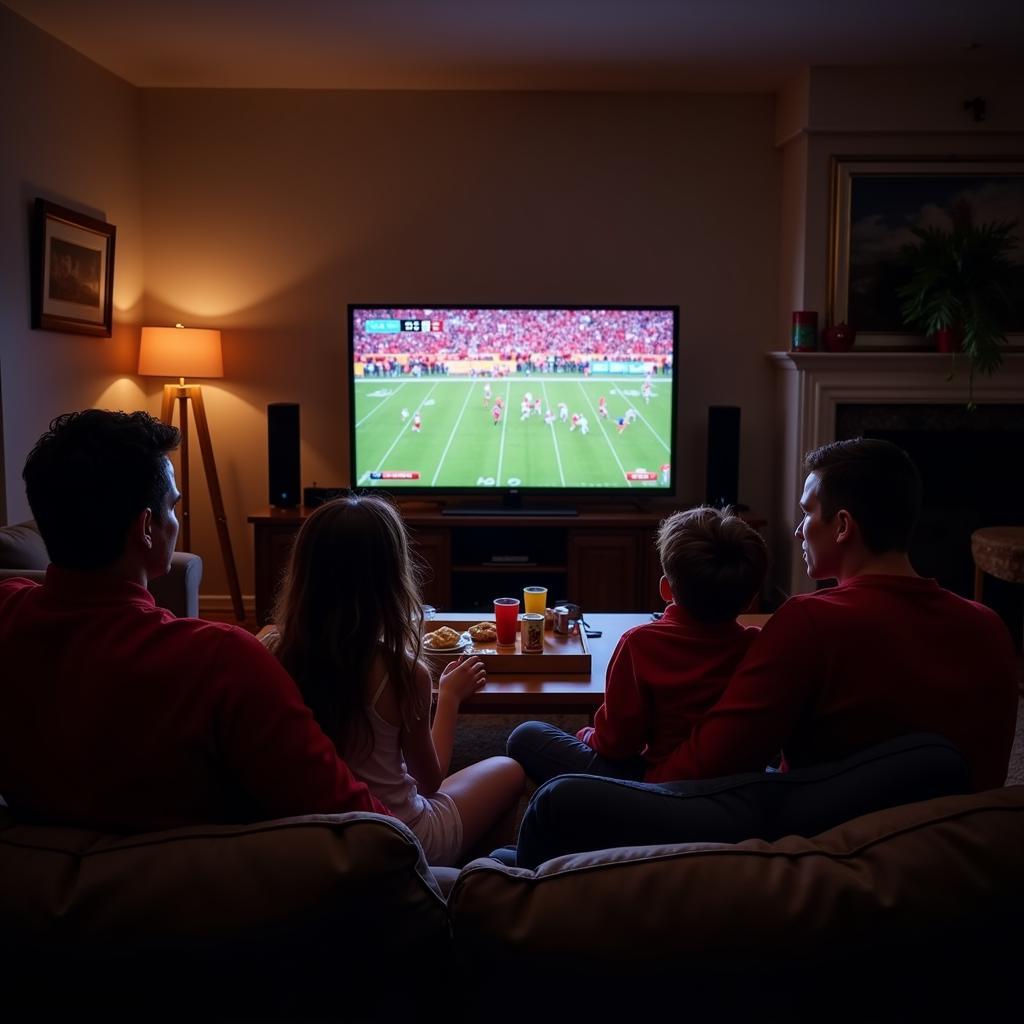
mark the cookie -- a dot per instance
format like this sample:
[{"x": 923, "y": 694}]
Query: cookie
[
  {"x": 484, "y": 632},
  {"x": 441, "y": 639}
]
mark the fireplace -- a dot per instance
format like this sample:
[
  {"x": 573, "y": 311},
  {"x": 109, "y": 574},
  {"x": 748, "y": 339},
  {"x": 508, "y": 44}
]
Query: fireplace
[
  {"x": 971, "y": 469},
  {"x": 972, "y": 463}
]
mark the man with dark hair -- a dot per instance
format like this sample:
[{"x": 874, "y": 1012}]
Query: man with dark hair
[
  {"x": 113, "y": 713},
  {"x": 878, "y": 485},
  {"x": 884, "y": 654},
  {"x": 117, "y": 462}
]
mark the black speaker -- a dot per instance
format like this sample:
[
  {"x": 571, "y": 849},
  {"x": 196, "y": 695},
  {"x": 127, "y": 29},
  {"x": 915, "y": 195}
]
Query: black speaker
[
  {"x": 723, "y": 472},
  {"x": 283, "y": 454}
]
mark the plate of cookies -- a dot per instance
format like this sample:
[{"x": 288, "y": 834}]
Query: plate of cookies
[{"x": 445, "y": 640}]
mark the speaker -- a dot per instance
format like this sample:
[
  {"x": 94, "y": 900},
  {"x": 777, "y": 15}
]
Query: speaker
[
  {"x": 283, "y": 470},
  {"x": 723, "y": 470}
]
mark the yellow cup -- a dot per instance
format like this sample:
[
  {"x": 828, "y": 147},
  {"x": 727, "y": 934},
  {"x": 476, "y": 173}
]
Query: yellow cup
[{"x": 535, "y": 599}]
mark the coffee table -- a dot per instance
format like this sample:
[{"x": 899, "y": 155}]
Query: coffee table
[
  {"x": 559, "y": 693},
  {"x": 562, "y": 693}
]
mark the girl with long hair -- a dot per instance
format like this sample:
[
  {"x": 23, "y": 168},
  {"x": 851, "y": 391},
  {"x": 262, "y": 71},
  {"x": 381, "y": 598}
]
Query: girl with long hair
[{"x": 348, "y": 630}]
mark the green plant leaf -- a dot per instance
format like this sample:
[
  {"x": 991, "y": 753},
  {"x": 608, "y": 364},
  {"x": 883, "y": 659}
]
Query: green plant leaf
[{"x": 964, "y": 278}]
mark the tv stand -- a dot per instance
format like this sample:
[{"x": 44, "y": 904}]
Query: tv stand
[
  {"x": 601, "y": 556},
  {"x": 511, "y": 505},
  {"x": 506, "y": 510}
]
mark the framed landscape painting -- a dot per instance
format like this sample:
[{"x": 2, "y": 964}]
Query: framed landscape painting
[
  {"x": 875, "y": 202},
  {"x": 72, "y": 271}
]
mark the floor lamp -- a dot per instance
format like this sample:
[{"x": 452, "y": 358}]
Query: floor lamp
[{"x": 191, "y": 352}]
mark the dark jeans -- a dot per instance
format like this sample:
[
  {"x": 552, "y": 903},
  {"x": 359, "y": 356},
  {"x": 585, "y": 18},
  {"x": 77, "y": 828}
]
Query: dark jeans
[
  {"x": 545, "y": 752},
  {"x": 578, "y": 813}
]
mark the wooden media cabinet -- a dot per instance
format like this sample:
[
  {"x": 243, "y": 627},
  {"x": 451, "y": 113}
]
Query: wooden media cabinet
[{"x": 603, "y": 557}]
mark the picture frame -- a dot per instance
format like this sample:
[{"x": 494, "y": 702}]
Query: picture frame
[
  {"x": 72, "y": 271},
  {"x": 874, "y": 201}
]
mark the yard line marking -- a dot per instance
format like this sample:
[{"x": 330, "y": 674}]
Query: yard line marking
[
  {"x": 504, "y": 424},
  {"x": 401, "y": 431},
  {"x": 604, "y": 433},
  {"x": 657, "y": 436},
  {"x": 554, "y": 436},
  {"x": 451, "y": 437},
  {"x": 378, "y": 408}
]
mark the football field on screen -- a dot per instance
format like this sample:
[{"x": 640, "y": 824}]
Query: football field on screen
[{"x": 459, "y": 445}]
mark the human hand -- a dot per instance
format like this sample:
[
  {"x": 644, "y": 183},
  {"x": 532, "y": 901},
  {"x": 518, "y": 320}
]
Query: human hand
[
  {"x": 462, "y": 678},
  {"x": 585, "y": 735}
]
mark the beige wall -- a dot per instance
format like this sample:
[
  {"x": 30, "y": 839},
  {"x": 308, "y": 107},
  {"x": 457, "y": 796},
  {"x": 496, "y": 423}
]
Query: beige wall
[
  {"x": 267, "y": 212},
  {"x": 884, "y": 113},
  {"x": 70, "y": 134}
]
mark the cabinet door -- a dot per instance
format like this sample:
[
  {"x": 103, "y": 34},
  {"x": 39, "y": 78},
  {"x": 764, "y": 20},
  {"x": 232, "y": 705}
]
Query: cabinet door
[
  {"x": 273, "y": 549},
  {"x": 433, "y": 548},
  {"x": 605, "y": 571}
]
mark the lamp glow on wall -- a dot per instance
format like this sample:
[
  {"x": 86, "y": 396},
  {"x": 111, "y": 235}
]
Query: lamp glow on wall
[{"x": 191, "y": 352}]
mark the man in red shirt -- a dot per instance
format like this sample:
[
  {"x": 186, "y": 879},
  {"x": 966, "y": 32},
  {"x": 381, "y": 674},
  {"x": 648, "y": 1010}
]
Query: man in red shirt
[
  {"x": 882, "y": 655},
  {"x": 114, "y": 714}
]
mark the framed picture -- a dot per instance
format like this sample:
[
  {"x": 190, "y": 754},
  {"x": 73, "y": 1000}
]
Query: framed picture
[
  {"x": 72, "y": 271},
  {"x": 875, "y": 201}
]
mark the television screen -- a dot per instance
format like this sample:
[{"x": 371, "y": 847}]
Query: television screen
[{"x": 473, "y": 398}]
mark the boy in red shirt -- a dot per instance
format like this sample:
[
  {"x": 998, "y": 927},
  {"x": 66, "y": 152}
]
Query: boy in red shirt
[
  {"x": 664, "y": 675},
  {"x": 883, "y": 654}
]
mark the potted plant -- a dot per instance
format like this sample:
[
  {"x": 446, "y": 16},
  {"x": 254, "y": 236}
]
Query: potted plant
[{"x": 964, "y": 282}]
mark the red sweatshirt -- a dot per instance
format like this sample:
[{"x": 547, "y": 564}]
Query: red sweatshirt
[
  {"x": 839, "y": 670},
  {"x": 116, "y": 715},
  {"x": 662, "y": 677}
]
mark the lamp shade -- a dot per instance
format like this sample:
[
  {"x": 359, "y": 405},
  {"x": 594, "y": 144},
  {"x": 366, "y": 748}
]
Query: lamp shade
[{"x": 180, "y": 352}]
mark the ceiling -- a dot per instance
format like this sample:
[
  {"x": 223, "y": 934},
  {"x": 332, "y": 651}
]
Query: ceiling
[{"x": 721, "y": 45}]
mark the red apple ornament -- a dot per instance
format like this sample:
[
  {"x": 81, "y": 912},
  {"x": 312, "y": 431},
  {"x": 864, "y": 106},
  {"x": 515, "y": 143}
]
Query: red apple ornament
[{"x": 839, "y": 338}]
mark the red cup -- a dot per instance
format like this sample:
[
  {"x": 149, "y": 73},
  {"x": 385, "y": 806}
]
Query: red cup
[{"x": 506, "y": 620}]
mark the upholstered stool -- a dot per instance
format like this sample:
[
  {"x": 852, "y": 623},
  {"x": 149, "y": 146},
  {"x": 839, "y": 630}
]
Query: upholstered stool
[{"x": 998, "y": 551}]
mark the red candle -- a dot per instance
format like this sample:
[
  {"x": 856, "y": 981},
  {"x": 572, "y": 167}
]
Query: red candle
[{"x": 805, "y": 331}]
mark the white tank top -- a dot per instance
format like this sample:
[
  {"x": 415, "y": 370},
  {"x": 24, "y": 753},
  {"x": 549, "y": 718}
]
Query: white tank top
[{"x": 384, "y": 770}]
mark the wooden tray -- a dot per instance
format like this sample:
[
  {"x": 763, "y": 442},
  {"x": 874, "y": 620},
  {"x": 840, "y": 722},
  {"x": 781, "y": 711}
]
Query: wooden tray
[{"x": 561, "y": 653}]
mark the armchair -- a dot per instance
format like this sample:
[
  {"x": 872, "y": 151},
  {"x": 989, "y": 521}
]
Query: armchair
[{"x": 23, "y": 553}]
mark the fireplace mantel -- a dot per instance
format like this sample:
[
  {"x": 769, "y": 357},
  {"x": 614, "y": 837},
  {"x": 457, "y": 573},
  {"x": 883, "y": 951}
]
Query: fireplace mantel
[{"x": 812, "y": 384}]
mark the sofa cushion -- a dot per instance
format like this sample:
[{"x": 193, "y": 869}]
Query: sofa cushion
[
  {"x": 274, "y": 903},
  {"x": 575, "y": 813},
  {"x": 22, "y": 547},
  {"x": 927, "y": 897}
]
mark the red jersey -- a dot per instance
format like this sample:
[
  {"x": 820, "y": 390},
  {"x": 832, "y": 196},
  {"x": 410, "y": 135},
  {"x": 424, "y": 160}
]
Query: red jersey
[
  {"x": 662, "y": 677},
  {"x": 840, "y": 670},
  {"x": 116, "y": 715}
]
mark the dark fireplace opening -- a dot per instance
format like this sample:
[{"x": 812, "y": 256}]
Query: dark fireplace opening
[{"x": 972, "y": 469}]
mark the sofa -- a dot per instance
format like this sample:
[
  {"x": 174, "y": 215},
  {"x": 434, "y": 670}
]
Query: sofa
[
  {"x": 902, "y": 914},
  {"x": 912, "y": 909},
  {"x": 23, "y": 553}
]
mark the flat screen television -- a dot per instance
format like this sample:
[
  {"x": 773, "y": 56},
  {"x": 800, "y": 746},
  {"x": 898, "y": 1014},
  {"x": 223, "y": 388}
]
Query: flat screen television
[{"x": 513, "y": 400}]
